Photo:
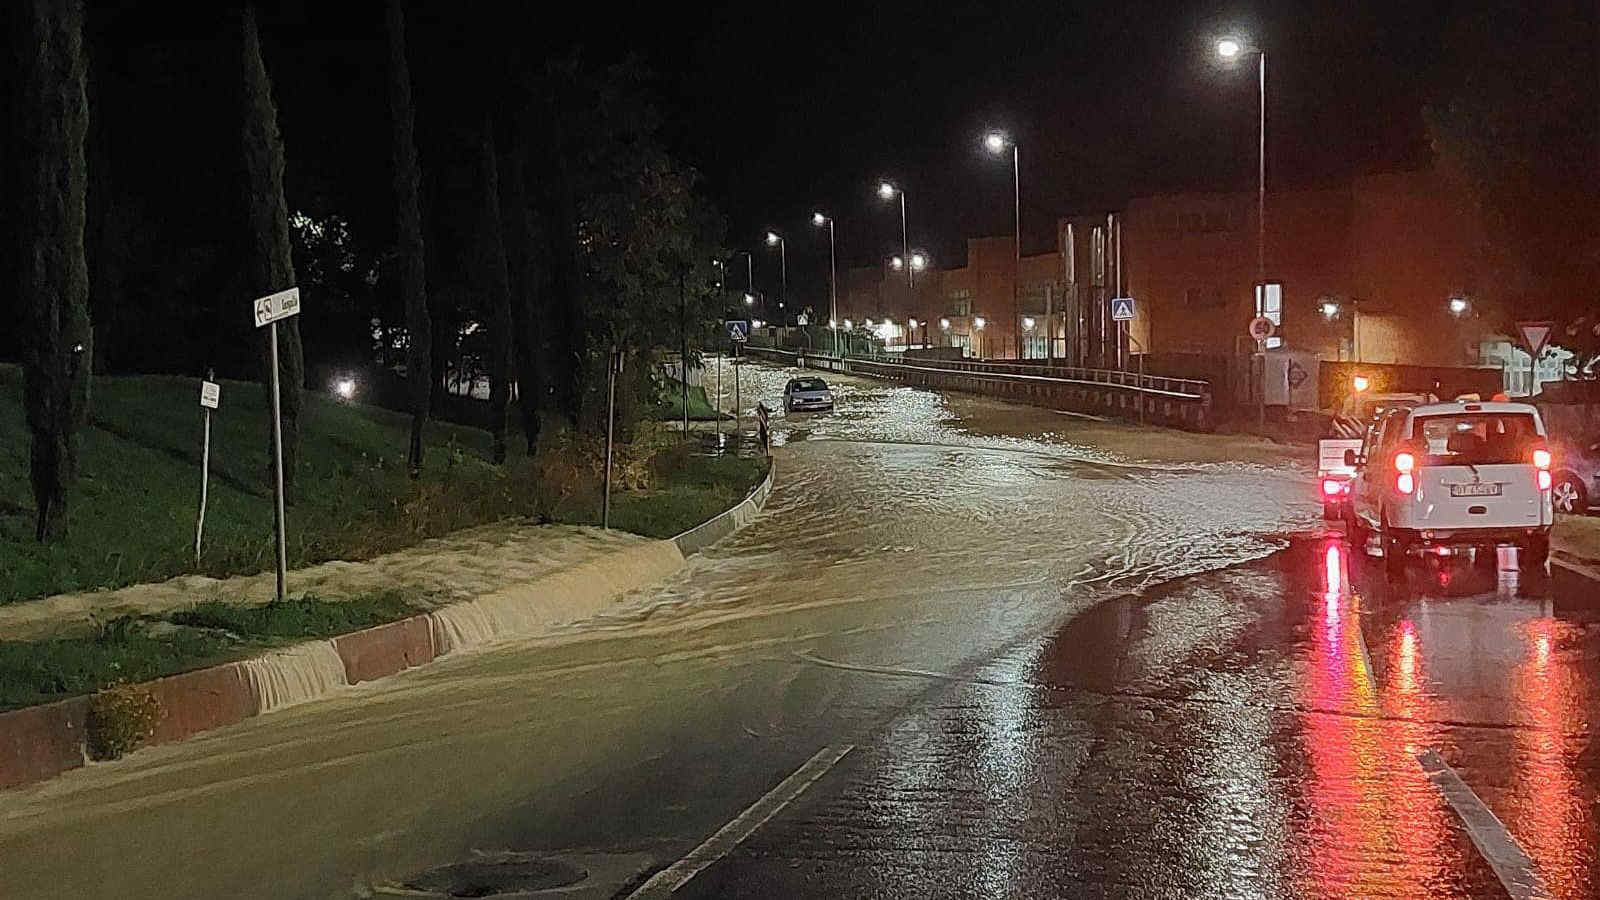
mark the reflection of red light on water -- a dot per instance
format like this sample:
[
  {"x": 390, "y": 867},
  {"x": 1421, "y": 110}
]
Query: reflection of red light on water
[
  {"x": 1335, "y": 567},
  {"x": 1408, "y": 655},
  {"x": 1550, "y": 815}
]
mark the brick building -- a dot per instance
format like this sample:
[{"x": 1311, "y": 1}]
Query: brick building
[{"x": 1383, "y": 253}]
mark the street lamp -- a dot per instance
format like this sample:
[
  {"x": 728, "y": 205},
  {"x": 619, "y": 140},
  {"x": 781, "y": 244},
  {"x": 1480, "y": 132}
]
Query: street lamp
[
  {"x": 1329, "y": 309},
  {"x": 996, "y": 143},
  {"x": 1459, "y": 306},
  {"x": 919, "y": 261},
  {"x": 775, "y": 239},
  {"x": 944, "y": 324},
  {"x": 978, "y": 323},
  {"x": 888, "y": 191},
  {"x": 1027, "y": 323},
  {"x": 897, "y": 263},
  {"x": 819, "y": 220},
  {"x": 1229, "y": 49}
]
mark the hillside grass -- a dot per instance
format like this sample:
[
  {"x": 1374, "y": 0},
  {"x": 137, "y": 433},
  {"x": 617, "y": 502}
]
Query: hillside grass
[{"x": 131, "y": 518}]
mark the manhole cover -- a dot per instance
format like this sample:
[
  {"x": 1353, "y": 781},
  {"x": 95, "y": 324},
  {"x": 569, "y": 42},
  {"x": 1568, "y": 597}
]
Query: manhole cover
[{"x": 506, "y": 875}]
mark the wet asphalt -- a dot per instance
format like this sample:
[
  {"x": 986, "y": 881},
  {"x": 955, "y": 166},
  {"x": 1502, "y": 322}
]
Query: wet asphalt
[{"x": 1046, "y": 664}]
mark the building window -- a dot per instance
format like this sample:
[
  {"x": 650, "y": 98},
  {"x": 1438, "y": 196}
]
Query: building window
[
  {"x": 1098, "y": 255},
  {"x": 1269, "y": 303}
]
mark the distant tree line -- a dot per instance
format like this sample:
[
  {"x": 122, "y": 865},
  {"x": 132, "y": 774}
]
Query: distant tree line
[{"x": 163, "y": 173}]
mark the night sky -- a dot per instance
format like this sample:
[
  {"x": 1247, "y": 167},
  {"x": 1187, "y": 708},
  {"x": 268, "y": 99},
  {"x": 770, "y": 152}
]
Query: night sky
[{"x": 785, "y": 108}]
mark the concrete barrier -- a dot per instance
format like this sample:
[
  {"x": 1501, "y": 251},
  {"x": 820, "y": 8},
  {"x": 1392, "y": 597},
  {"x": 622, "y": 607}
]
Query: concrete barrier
[
  {"x": 383, "y": 650},
  {"x": 40, "y": 742},
  {"x": 718, "y": 527},
  {"x": 192, "y": 702}
]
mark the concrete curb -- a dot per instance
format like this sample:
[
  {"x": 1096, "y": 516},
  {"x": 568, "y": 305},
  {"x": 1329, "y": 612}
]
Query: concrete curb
[
  {"x": 41, "y": 742},
  {"x": 718, "y": 527}
]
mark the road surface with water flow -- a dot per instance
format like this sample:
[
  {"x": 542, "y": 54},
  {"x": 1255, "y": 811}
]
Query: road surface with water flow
[{"x": 969, "y": 650}]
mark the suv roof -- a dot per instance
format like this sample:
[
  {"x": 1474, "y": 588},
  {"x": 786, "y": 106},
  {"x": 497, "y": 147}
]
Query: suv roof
[{"x": 1456, "y": 408}]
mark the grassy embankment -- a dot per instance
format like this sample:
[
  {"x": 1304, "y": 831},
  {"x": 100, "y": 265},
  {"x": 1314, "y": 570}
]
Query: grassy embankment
[{"x": 133, "y": 515}]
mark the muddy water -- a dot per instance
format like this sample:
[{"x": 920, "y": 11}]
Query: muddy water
[{"x": 896, "y": 494}]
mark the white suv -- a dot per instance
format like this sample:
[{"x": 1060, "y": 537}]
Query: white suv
[{"x": 1454, "y": 473}]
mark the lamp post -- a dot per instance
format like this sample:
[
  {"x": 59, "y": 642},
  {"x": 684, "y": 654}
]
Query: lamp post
[
  {"x": 888, "y": 191},
  {"x": 775, "y": 239},
  {"x": 1230, "y": 48},
  {"x": 819, "y": 220},
  {"x": 996, "y": 143}
]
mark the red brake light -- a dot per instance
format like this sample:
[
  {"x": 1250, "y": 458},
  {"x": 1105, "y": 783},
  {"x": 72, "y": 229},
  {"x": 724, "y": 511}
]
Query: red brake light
[
  {"x": 1332, "y": 487},
  {"x": 1541, "y": 457},
  {"x": 1404, "y": 462},
  {"x": 1405, "y": 483},
  {"x": 1544, "y": 479}
]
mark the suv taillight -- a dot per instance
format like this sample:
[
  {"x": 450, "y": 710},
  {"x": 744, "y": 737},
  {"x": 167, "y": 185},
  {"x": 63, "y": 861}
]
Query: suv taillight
[
  {"x": 1541, "y": 461},
  {"x": 1404, "y": 463},
  {"x": 1541, "y": 457}
]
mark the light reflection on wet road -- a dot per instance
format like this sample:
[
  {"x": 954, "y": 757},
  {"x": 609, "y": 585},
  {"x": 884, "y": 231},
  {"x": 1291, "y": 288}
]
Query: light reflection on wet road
[{"x": 1073, "y": 658}]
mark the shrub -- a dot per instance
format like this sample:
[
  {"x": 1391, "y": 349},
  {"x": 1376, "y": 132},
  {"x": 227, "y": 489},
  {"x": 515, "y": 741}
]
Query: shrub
[{"x": 121, "y": 717}]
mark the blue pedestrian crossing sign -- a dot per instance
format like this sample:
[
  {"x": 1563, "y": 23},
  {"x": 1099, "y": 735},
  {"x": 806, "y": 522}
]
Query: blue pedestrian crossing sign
[
  {"x": 738, "y": 330},
  {"x": 1122, "y": 309}
]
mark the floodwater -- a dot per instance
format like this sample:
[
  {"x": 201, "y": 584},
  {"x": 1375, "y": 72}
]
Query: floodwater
[{"x": 1058, "y": 657}]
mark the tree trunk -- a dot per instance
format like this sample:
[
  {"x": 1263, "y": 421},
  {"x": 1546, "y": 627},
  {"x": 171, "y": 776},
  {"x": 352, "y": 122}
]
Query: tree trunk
[
  {"x": 568, "y": 342},
  {"x": 413, "y": 279},
  {"x": 58, "y": 346},
  {"x": 497, "y": 292},
  {"x": 269, "y": 263},
  {"x": 525, "y": 313}
]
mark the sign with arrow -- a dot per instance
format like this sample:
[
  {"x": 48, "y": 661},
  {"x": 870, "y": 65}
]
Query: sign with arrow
[{"x": 1122, "y": 309}]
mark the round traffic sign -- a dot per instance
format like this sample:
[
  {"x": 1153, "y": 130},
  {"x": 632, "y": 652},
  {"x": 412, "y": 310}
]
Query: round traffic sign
[{"x": 1261, "y": 328}]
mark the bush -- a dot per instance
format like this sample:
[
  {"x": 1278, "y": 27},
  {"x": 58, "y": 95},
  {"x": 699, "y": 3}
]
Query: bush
[{"x": 121, "y": 718}]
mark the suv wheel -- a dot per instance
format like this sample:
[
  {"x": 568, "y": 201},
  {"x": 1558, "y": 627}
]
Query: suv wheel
[
  {"x": 1568, "y": 495},
  {"x": 1395, "y": 547},
  {"x": 1534, "y": 552}
]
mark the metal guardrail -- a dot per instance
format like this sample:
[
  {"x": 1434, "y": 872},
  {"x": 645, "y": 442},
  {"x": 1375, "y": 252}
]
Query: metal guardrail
[{"x": 1181, "y": 401}]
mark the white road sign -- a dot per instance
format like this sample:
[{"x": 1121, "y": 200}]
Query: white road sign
[
  {"x": 738, "y": 330},
  {"x": 210, "y": 394},
  {"x": 1122, "y": 309},
  {"x": 277, "y": 306}
]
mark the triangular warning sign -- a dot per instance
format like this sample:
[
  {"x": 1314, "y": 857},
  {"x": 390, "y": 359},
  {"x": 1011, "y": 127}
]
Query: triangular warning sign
[{"x": 1535, "y": 334}]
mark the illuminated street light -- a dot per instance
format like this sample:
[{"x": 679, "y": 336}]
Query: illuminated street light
[
  {"x": 1330, "y": 308},
  {"x": 818, "y": 219},
  {"x": 886, "y": 190},
  {"x": 912, "y": 323},
  {"x": 848, "y": 325},
  {"x": 1228, "y": 48},
  {"x": 1360, "y": 383},
  {"x": 919, "y": 262},
  {"x": 1027, "y": 323},
  {"x": 773, "y": 239},
  {"x": 1459, "y": 306},
  {"x": 896, "y": 263},
  {"x": 944, "y": 324},
  {"x": 978, "y": 322},
  {"x": 833, "y": 323},
  {"x": 749, "y": 300},
  {"x": 756, "y": 323},
  {"x": 345, "y": 388},
  {"x": 996, "y": 142}
]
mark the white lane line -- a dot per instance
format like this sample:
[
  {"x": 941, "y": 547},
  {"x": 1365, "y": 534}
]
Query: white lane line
[
  {"x": 1509, "y": 861},
  {"x": 667, "y": 881}
]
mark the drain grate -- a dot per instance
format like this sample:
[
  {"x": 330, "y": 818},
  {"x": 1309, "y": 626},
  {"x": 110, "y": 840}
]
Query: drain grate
[{"x": 504, "y": 875}]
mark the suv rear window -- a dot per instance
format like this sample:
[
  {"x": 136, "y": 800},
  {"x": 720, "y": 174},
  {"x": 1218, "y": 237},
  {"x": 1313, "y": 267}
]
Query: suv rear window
[
  {"x": 808, "y": 384},
  {"x": 1475, "y": 439}
]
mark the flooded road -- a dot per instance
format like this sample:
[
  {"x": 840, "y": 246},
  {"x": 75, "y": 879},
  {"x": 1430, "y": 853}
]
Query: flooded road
[{"x": 969, "y": 650}]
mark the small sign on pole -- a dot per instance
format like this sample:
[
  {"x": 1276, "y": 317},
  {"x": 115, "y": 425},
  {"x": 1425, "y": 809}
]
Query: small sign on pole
[
  {"x": 738, "y": 330},
  {"x": 268, "y": 310},
  {"x": 1122, "y": 309},
  {"x": 1261, "y": 328},
  {"x": 210, "y": 398},
  {"x": 1534, "y": 336}
]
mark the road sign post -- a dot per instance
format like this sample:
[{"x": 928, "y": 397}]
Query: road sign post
[
  {"x": 738, "y": 333},
  {"x": 1534, "y": 335},
  {"x": 1122, "y": 313},
  {"x": 268, "y": 310},
  {"x": 1261, "y": 328},
  {"x": 210, "y": 397}
]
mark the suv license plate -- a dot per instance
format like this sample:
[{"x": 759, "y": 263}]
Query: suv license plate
[{"x": 1474, "y": 490}]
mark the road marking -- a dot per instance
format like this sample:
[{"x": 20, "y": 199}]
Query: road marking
[
  {"x": 667, "y": 881},
  {"x": 1510, "y": 862}
]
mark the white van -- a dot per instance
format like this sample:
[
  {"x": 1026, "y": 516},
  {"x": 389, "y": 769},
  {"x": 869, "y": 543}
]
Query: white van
[{"x": 1454, "y": 473}]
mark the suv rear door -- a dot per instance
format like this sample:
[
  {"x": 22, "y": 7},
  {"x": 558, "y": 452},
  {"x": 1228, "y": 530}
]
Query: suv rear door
[{"x": 1475, "y": 469}]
